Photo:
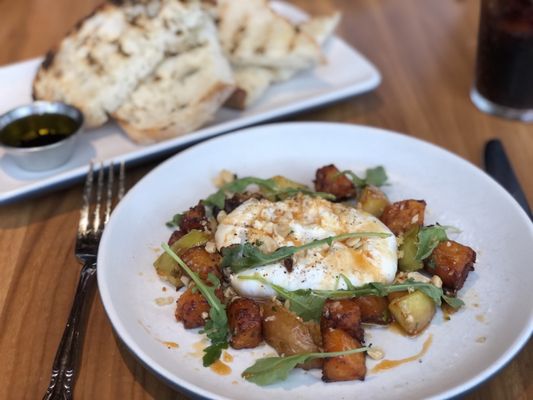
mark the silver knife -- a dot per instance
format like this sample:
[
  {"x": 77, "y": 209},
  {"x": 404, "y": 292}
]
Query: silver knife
[{"x": 499, "y": 167}]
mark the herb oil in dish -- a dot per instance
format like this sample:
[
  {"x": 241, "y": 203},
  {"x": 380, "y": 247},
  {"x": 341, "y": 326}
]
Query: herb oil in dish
[
  {"x": 41, "y": 135},
  {"x": 38, "y": 130}
]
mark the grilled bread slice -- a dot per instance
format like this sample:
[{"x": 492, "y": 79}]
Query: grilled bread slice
[
  {"x": 101, "y": 62},
  {"x": 181, "y": 95},
  {"x": 253, "y": 81},
  {"x": 252, "y": 34}
]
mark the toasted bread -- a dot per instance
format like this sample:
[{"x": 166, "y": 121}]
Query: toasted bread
[
  {"x": 252, "y": 34},
  {"x": 181, "y": 95},
  {"x": 253, "y": 80},
  {"x": 101, "y": 62}
]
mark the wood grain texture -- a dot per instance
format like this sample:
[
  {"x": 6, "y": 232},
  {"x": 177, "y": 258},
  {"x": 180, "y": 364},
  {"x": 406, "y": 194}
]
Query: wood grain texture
[{"x": 425, "y": 51}]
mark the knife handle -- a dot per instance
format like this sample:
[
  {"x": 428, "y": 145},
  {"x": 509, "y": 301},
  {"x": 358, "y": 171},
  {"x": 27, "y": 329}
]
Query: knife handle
[{"x": 498, "y": 166}]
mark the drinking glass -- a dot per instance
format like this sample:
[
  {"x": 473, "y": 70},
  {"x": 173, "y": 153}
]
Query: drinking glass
[{"x": 503, "y": 83}]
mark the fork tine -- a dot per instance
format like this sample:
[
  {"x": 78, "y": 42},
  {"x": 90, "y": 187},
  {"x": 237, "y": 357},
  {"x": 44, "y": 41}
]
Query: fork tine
[
  {"x": 84, "y": 213},
  {"x": 121, "y": 181},
  {"x": 109, "y": 192},
  {"x": 99, "y": 189}
]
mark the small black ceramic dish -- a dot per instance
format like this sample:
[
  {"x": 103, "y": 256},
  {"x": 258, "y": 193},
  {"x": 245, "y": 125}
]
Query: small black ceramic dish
[{"x": 41, "y": 135}]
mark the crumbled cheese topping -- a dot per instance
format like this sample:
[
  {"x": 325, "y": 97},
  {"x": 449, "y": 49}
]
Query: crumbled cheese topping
[
  {"x": 164, "y": 301},
  {"x": 375, "y": 353},
  {"x": 223, "y": 178}
]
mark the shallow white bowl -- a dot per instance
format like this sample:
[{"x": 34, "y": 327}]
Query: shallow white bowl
[{"x": 473, "y": 345}]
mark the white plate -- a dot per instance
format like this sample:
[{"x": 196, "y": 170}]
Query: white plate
[
  {"x": 345, "y": 74},
  {"x": 474, "y": 344}
]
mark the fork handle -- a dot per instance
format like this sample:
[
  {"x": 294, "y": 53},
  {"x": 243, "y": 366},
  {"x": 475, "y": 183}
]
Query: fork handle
[{"x": 66, "y": 359}]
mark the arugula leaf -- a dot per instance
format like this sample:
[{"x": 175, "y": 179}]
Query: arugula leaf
[
  {"x": 381, "y": 289},
  {"x": 373, "y": 176},
  {"x": 246, "y": 255},
  {"x": 301, "y": 302},
  {"x": 347, "y": 282},
  {"x": 240, "y": 185},
  {"x": 429, "y": 238},
  {"x": 175, "y": 221},
  {"x": 376, "y": 176},
  {"x": 269, "y": 370},
  {"x": 216, "y": 327},
  {"x": 453, "y": 301}
]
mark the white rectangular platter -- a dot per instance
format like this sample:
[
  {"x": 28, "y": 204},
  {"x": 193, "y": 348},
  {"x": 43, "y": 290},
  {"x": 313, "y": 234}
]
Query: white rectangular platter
[{"x": 346, "y": 73}]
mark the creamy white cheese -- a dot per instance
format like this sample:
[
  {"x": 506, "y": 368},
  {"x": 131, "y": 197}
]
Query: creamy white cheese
[{"x": 300, "y": 220}]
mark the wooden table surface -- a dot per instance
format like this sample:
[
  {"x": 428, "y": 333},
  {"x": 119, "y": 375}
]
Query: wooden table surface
[{"x": 425, "y": 51}]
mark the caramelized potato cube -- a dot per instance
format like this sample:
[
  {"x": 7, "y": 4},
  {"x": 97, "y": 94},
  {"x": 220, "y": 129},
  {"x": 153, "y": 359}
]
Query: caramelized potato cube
[
  {"x": 395, "y": 295},
  {"x": 373, "y": 200},
  {"x": 330, "y": 180},
  {"x": 413, "y": 311},
  {"x": 202, "y": 262},
  {"x": 314, "y": 330},
  {"x": 342, "y": 368},
  {"x": 287, "y": 333},
  {"x": 451, "y": 262},
  {"x": 193, "y": 309},
  {"x": 342, "y": 314},
  {"x": 374, "y": 310},
  {"x": 194, "y": 218},
  {"x": 244, "y": 319},
  {"x": 400, "y": 216}
]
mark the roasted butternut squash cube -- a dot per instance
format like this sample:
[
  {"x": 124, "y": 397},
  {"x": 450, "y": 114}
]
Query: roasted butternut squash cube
[
  {"x": 374, "y": 310},
  {"x": 342, "y": 368},
  {"x": 401, "y": 215},
  {"x": 202, "y": 262},
  {"x": 373, "y": 201},
  {"x": 342, "y": 314},
  {"x": 192, "y": 309},
  {"x": 330, "y": 180},
  {"x": 194, "y": 218},
  {"x": 244, "y": 319},
  {"x": 451, "y": 262},
  {"x": 237, "y": 199}
]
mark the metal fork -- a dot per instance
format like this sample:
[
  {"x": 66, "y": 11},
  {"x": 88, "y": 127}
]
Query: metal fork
[{"x": 90, "y": 230}]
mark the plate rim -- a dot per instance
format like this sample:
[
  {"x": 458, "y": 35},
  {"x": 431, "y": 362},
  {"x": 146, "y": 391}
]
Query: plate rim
[{"x": 184, "y": 386}]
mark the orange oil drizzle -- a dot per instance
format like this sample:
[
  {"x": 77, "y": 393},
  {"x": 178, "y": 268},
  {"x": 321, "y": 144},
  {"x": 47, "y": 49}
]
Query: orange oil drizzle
[
  {"x": 227, "y": 357},
  {"x": 220, "y": 368},
  {"x": 388, "y": 364},
  {"x": 171, "y": 345}
]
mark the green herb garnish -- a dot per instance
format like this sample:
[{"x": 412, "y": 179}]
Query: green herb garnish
[
  {"x": 429, "y": 238},
  {"x": 269, "y": 370},
  {"x": 244, "y": 256},
  {"x": 240, "y": 185},
  {"x": 382, "y": 290},
  {"x": 216, "y": 327},
  {"x": 373, "y": 176},
  {"x": 175, "y": 221},
  {"x": 370, "y": 289},
  {"x": 301, "y": 302}
]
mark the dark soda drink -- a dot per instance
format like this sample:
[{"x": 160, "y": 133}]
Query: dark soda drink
[{"x": 504, "y": 70}]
